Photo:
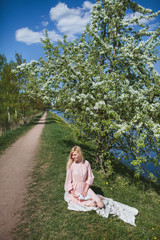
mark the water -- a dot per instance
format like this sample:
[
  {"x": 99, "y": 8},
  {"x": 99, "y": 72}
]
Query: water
[
  {"x": 149, "y": 167},
  {"x": 60, "y": 114}
]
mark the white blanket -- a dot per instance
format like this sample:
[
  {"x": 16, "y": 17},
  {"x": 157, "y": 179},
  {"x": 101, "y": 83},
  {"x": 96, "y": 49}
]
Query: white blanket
[{"x": 122, "y": 211}]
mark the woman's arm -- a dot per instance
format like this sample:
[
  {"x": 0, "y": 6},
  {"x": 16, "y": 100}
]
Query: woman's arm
[
  {"x": 89, "y": 180},
  {"x": 73, "y": 194},
  {"x": 85, "y": 190},
  {"x": 68, "y": 183}
]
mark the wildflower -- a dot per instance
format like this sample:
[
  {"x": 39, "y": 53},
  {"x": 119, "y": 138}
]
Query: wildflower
[
  {"x": 107, "y": 183},
  {"x": 152, "y": 228},
  {"x": 155, "y": 238},
  {"x": 111, "y": 188}
]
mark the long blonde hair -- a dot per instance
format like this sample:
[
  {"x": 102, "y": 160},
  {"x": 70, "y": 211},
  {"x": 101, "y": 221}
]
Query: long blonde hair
[{"x": 70, "y": 160}]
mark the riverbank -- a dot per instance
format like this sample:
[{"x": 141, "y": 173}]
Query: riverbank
[{"x": 45, "y": 215}]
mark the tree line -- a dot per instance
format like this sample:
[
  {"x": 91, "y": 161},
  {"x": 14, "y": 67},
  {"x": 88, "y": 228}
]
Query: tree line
[
  {"x": 105, "y": 82},
  {"x": 15, "y": 104}
]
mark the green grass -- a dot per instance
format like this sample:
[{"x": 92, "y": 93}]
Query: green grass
[
  {"x": 10, "y": 136},
  {"x": 45, "y": 215}
]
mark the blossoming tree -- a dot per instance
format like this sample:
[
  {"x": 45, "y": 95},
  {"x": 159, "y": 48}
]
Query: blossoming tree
[{"x": 106, "y": 83}]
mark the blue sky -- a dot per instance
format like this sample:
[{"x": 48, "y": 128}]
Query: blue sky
[{"x": 23, "y": 23}]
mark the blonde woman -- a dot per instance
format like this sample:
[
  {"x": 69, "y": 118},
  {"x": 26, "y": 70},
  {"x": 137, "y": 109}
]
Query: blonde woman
[{"x": 79, "y": 178}]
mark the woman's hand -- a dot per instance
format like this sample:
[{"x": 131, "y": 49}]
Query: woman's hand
[
  {"x": 84, "y": 193},
  {"x": 73, "y": 194}
]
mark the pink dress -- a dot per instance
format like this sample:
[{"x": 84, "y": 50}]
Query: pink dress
[{"x": 78, "y": 175}]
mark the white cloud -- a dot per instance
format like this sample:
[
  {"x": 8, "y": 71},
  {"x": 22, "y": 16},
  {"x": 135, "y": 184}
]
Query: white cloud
[
  {"x": 153, "y": 26},
  {"x": 72, "y": 24},
  {"x": 87, "y": 5},
  {"x": 29, "y": 37},
  {"x": 69, "y": 21},
  {"x": 138, "y": 15},
  {"x": 45, "y": 23},
  {"x": 61, "y": 11},
  {"x": 54, "y": 36}
]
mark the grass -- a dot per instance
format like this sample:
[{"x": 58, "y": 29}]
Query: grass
[
  {"x": 10, "y": 136},
  {"x": 45, "y": 215}
]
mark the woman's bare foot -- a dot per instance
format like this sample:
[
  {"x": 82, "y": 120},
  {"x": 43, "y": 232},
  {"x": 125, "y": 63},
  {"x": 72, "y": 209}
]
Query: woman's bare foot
[{"x": 100, "y": 204}]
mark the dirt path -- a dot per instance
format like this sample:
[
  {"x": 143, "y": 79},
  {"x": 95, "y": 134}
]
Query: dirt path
[{"x": 15, "y": 165}]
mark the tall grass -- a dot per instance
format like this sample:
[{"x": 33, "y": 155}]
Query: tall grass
[{"x": 45, "y": 215}]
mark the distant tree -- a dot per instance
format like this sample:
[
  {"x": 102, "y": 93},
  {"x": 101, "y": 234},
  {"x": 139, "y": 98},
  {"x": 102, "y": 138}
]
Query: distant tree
[
  {"x": 21, "y": 82},
  {"x": 3, "y": 60},
  {"x": 9, "y": 94},
  {"x": 14, "y": 100}
]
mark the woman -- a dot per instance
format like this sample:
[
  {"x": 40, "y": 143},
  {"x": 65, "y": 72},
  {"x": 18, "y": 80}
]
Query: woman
[{"x": 78, "y": 180}]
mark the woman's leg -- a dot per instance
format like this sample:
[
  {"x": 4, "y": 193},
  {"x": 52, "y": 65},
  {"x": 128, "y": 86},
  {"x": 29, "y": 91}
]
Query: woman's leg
[
  {"x": 96, "y": 198},
  {"x": 92, "y": 204}
]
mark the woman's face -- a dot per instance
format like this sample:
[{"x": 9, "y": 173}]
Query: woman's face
[{"x": 75, "y": 157}]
